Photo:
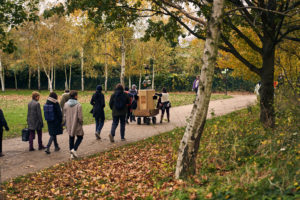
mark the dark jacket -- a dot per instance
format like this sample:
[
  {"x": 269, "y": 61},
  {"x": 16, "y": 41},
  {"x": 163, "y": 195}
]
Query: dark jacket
[
  {"x": 3, "y": 122},
  {"x": 55, "y": 126},
  {"x": 98, "y": 103},
  {"x": 34, "y": 116},
  {"x": 126, "y": 99}
]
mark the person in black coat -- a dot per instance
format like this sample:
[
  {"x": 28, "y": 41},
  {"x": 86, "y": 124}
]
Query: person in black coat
[
  {"x": 2, "y": 124},
  {"x": 54, "y": 126},
  {"x": 98, "y": 103}
]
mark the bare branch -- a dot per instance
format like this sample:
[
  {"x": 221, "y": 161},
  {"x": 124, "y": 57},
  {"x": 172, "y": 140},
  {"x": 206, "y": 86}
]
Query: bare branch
[{"x": 258, "y": 8}]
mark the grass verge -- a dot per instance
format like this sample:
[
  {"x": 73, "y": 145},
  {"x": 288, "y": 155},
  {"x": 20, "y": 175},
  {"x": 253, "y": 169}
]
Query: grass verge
[{"x": 238, "y": 159}]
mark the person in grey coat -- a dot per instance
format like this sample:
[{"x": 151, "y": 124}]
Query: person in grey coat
[{"x": 35, "y": 121}]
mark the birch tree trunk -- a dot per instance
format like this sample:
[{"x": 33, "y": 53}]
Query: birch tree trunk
[
  {"x": 82, "y": 78},
  {"x": 66, "y": 78},
  {"x": 189, "y": 144},
  {"x": 2, "y": 75},
  {"x": 153, "y": 77},
  {"x": 54, "y": 78},
  {"x": 129, "y": 81},
  {"x": 70, "y": 75},
  {"x": 106, "y": 68},
  {"x": 122, "y": 76},
  {"x": 140, "y": 80},
  {"x": 29, "y": 78},
  {"x": 39, "y": 78},
  {"x": 16, "y": 81}
]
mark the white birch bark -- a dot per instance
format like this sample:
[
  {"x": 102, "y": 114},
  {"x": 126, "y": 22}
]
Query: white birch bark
[
  {"x": 66, "y": 78},
  {"x": 39, "y": 78},
  {"x": 29, "y": 78},
  {"x": 2, "y": 75},
  {"x": 82, "y": 66},
  {"x": 123, "y": 51},
  {"x": 189, "y": 144},
  {"x": 153, "y": 77},
  {"x": 70, "y": 75},
  {"x": 106, "y": 67}
]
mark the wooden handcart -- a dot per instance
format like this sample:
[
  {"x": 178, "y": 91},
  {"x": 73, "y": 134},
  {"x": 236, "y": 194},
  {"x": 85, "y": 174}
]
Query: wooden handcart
[{"x": 146, "y": 107}]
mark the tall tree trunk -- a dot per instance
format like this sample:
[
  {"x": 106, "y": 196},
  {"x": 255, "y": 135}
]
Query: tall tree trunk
[
  {"x": 39, "y": 78},
  {"x": 123, "y": 51},
  {"x": 66, "y": 78},
  {"x": 82, "y": 74},
  {"x": 16, "y": 80},
  {"x": 70, "y": 75},
  {"x": 106, "y": 67},
  {"x": 129, "y": 81},
  {"x": 29, "y": 78},
  {"x": 189, "y": 144},
  {"x": 267, "y": 113},
  {"x": 140, "y": 81},
  {"x": 2, "y": 75},
  {"x": 54, "y": 78},
  {"x": 153, "y": 77}
]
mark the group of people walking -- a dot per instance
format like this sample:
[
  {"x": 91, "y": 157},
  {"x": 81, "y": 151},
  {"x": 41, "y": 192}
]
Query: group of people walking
[{"x": 68, "y": 113}]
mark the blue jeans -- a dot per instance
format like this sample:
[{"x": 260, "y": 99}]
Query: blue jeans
[
  {"x": 115, "y": 125},
  {"x": 99, "y": 124}
]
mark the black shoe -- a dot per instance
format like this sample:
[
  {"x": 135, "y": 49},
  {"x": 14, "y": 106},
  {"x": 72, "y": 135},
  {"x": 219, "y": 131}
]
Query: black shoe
[
  {"x": 57, "y": 149},
  {"x": 32, "y": 149},
  {"x": 97, "y": 136},
  {"x": 42, "y": 148},
  {"x": 1, "y": 154},
  {"x": 47, "y": 151},
  {"x": 123, "y": 139}
]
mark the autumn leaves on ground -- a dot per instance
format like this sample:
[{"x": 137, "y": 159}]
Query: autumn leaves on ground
[{"x": 238, "y": 159}]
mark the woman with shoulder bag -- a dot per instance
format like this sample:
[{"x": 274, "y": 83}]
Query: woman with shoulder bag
[
  {"x": 164, "y": 104},
  {"x": 53, "y": 116}
]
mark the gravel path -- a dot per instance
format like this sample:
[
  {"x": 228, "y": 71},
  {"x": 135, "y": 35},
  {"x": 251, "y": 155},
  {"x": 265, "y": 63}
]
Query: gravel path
[{"x": 19, "y": 161}]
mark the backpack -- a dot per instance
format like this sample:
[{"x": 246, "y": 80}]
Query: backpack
[
  {"x": 49, "y": 112},
  {"x": 120, "y": 101}
]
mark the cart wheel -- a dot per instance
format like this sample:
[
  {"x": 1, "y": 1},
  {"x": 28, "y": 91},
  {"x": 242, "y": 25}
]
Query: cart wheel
[
  {"x": 148, "y": 121},
  {"x": 154, "y": 120},
  {"x": 139, "y": 121}
]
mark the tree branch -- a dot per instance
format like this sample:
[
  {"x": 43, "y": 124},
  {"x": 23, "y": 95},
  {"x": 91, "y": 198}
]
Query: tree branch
[
  {"x": 259, "y": 8},
  {"x": 234, "y": 52}
]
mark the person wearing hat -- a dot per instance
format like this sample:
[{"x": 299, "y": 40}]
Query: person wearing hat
[{"x": 98, "y": 103}]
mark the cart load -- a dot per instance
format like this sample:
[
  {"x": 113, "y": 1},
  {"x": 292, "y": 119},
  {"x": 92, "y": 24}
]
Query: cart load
[{"x": 146, "y": 107}]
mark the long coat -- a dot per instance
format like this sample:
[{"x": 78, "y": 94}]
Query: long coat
[
  {"x": 73, "y": 118},
  {"x": 3, "y": 122},
  {"x": 55, "y": 126},
  {"x": 34, "y": 116},
  {"x": 98, "y": 103}
]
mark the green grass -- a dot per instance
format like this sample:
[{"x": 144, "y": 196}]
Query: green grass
[
  {"x": 14, "y": 105},
  {"x": 238, "y": 159}
]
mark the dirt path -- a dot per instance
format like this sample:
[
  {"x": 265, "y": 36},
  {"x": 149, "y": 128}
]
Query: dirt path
[{"x": 19, "y": 161}]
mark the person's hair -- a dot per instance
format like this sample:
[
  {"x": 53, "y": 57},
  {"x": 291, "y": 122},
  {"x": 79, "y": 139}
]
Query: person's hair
[
  {"x": 67, "y": 91},
  {"x": 73, "y": 94},
  {"x": 119, "y": 86},
  {"x": 126, "y": 89},
  {"x": 35, "y": 95},
  {"x": 53, "y": 95},
  {"x": 164, "y": 90}
]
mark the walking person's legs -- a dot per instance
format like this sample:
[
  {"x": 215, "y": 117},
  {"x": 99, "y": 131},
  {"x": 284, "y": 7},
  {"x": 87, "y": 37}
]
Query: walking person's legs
[
  {"x": 1, "y": 136},
  {"x": 122, "y": 127},
  {"x": 71, "y": 142},
  {"x": 114, "y": 126},
  {"x": 162, "y": 115},
  {"x": 31, "y": 137},
  {"x": 97, "y": 133},
  {"x": 49, "y": 144},
  {"x": 78, "y": 142},
  {"x": 55, "y": 143},
  {"x": 168, "y": 114},
  {"x": 39, "y": 133}
]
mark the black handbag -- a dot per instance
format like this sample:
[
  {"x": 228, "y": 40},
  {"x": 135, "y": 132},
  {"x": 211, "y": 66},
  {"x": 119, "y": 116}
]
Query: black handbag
[{"x": 25, "y": 135}]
